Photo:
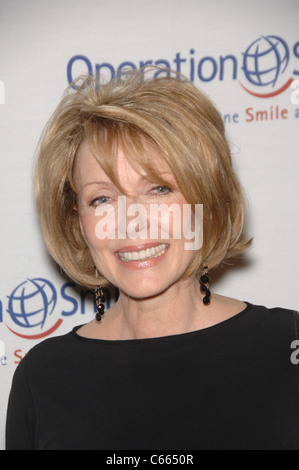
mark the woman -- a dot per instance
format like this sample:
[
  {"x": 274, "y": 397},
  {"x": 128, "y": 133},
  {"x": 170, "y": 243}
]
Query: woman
[{"x": 170, "y": 365}]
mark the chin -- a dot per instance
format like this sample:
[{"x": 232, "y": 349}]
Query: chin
[{"x": 145, "y": 290}]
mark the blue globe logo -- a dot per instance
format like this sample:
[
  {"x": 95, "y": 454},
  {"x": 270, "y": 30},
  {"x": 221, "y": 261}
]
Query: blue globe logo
[
  {"x": 32, "y": 302},
  {"x": 265, "y": 60}
]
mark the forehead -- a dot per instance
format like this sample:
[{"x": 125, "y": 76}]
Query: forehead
[
  {"x": 125, "y": 169},
  {"x": 87, "y": 162}
]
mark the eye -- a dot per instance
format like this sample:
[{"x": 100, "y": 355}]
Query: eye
[
  {"x": 161, "y": 190},
  {"x": 99, "y": 201}
]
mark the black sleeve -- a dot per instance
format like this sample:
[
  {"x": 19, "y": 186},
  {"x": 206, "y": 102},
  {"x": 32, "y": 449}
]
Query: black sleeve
[{"x": 21, "y": 419}]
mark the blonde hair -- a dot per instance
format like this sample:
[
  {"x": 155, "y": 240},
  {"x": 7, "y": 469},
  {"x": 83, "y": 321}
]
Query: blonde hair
[{"x": 171, "y": 116}]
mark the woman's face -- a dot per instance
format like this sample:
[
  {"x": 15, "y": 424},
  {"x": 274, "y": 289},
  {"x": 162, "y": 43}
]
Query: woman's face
[{"x": 135, "y": 247}]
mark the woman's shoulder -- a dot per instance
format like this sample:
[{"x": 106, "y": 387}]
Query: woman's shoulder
[
  {"x": 275, "y": 326},
  {"x": 275, "y": 314},
  {"x": 229, "y": 308},
  {"x": 41, "y": 360},
  {"x": 48, "y": 351}
]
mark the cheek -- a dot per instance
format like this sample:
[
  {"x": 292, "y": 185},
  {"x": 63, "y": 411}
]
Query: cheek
[
  {"x": 88, "y": 227},
  {"x": 96, "y": 232}
]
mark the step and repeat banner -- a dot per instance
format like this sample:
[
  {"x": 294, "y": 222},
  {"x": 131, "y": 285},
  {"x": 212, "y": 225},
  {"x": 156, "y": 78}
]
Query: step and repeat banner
[{"x": 244, "y": 55}]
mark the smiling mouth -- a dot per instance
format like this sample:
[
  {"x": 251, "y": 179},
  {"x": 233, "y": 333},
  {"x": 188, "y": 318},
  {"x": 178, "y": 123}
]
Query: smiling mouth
[{"x": 143, "y": 255}]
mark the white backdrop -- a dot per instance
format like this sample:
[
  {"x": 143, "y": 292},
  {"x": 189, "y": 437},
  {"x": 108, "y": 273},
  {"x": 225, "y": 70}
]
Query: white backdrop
[{"x": 224, "y": 46}]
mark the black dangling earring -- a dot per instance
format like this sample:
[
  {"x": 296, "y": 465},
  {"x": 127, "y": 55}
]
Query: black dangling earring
[
  {"x": 205, "y": 286},
  {"x": 99, "y": 299}
]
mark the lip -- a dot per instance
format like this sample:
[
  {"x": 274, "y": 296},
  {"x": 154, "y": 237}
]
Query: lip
[
  {"x": 139, "y": 247},
  {"x": 141, "y": 264}
]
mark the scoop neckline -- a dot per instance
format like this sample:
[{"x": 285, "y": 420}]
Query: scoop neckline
[{"x": 176, "y": 337}]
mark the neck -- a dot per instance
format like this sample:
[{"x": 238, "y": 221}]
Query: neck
[{"x": 177, "y": 310}]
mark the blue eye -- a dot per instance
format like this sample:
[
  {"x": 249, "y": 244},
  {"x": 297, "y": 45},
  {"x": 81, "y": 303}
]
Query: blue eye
[
  {"x": 161, "y": 190},
  {"x": 99, "y": 201}
]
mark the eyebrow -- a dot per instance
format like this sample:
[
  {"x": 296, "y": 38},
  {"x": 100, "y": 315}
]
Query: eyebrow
[
  {"x": 97, "y": 182},
  {"x": 109, "y": 183}
]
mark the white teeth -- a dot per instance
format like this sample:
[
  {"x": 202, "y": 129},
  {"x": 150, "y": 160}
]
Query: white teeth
[{"x": 143, "y": 254}]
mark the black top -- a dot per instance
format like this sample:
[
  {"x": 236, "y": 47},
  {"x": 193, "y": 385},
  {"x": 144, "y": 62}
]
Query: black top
[{"x": 230, "y": 386}]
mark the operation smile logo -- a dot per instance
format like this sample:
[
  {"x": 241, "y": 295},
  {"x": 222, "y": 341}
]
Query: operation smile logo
[
  {"x": 33, "y": 312},
  {"x": 263, "y": 70},
  {"x": 30, "y": 305},
  {"x": 265, "y": 62}
]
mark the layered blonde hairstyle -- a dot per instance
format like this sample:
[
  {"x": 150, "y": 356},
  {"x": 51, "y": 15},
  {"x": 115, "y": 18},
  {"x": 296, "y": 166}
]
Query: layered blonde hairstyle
[{"x": 137, "y": 112}]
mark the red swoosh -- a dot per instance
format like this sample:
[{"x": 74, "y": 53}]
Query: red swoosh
[
  {"x": 41, "y": 335},
  {"x": 269, "y": 95}
]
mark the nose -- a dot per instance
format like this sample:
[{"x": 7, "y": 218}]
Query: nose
[{"x": 133, "y": 218}]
